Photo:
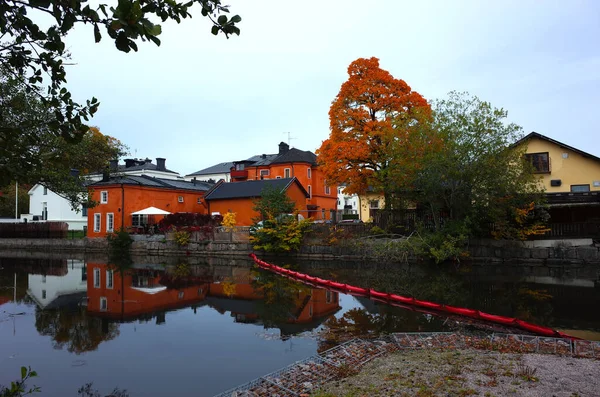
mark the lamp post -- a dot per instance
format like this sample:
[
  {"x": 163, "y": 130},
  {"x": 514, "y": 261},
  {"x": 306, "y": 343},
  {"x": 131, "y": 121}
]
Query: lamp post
[{"x": 16, "y": 200}]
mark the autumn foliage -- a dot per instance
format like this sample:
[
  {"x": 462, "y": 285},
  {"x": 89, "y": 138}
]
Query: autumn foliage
[{"x": 373, "y": 119}]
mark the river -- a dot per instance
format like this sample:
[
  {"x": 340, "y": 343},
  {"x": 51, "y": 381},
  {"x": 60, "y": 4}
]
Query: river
[{"x": 197, "y": 330}]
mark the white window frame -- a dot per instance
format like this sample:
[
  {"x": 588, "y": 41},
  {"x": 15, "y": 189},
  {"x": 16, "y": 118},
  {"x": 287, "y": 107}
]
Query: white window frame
[
  {"x": 110, "y": 279},
  {"x": 45, "y": 191},
  {"x": 264, "y": 172},
  {"x": 309, "y": 173},
  {"x": 180, "y": 199},
  {"x": 199, "y": 200},
  {"x": 110, "y": 222},
  {"x": 104, "y": 197},
  {"x": 287, "y": 172},
  {"x": 309, "y": 191},
  {"x": 103, "y": 304},
  {"x": 97, "y": 222},
  {"x": 96, "y": 277},
  {"x": 328, "y": 296},
  {"x": 327, "y": 188},
  {"x": 277, "y": 177},
  {"x": 180, "y": 295}
]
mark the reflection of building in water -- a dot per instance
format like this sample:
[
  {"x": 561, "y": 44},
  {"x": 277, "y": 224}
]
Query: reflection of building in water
[
  {"x": 150, "y": 291},
  {"x": 146, "y": 291},
  {"x": 57, "y": 285}
]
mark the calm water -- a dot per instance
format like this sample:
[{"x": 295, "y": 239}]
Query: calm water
[{"x": 198, "y": 330}]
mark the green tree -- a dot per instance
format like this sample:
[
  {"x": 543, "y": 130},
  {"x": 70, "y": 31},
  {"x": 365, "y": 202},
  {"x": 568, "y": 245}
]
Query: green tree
[
  {"x": 36, "y": 53},
  {"x": 476, "y": 176},
  {"x": 272, "y": 204},
  {"x": 30, "y": 152},
  {"x": 7, "y": 200}
]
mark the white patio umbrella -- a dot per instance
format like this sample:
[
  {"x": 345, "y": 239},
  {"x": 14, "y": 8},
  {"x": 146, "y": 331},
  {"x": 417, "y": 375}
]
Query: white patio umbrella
[{"x": 151, "y": 211}]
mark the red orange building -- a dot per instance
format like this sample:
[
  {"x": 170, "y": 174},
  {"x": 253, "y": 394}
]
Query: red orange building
[{"x": 118, "y": 197}]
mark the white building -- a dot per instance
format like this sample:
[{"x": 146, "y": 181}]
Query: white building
[
  {"x": 347, "y": 203},
  {"x": 216, "y": 173},
  {"x": 46, "y": 205},
  {"x": 49, "y": 291}
]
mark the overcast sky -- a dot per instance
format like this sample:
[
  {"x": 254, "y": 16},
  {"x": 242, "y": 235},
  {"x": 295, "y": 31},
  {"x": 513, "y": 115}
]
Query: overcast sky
[{"x": 198, "y": 100}]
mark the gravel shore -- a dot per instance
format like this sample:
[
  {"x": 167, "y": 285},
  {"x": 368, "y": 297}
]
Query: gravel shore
[{"x": 468, "y": 372}]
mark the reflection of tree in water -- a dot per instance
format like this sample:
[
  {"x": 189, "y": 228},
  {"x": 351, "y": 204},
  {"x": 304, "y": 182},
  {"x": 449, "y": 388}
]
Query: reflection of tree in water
[
  {"x": 74, "y": 329},
  {"x": 279, "y": 297}
]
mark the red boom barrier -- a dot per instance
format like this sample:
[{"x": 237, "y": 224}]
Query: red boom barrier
[{"x": 392, "y": 298}]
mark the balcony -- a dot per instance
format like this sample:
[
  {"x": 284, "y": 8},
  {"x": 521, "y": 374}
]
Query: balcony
[{"x": 239, "y": 174}]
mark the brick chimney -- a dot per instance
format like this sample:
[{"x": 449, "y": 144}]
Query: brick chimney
[
  {"x": 283, "y": 148},
  {"x": 160, "y": 164},
  {"x": 113, "y": 165}
]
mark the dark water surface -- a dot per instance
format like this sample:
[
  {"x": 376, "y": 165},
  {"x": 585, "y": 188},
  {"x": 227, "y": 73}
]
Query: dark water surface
[{"x": 187, "y": 330}]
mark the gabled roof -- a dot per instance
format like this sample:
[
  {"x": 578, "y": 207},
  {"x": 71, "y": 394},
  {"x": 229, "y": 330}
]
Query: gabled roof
[
  {"x": 296, "y": 156},
  {"x": 250, "y": 189},
  {"x": 149, "y": 181},
  {"x": 221, "y": 168},
  {"x": 534, "y": 134}
]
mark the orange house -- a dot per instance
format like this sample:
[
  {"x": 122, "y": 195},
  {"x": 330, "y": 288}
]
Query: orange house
[
  {"x": 139, "y": 292},
  {"x": 291, "y": 163},
  {"x": 118, "y": 197},
  {"x": 239, "y": 197}
]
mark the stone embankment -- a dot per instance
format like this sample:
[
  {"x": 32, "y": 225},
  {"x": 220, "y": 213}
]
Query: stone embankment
[{"x": 544, "y": 252}]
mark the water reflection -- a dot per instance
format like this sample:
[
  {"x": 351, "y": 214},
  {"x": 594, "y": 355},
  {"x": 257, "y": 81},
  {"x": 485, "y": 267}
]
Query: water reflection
[{"x": 128, "y": 324}]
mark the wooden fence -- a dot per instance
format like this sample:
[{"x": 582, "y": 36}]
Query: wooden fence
[
  {"x": 34, "y": 230},
  {"x": 575, "y": 229}
]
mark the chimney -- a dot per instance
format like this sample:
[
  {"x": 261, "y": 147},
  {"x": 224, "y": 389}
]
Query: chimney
[
  {"x": 129, "y": 163},
  {"x": 264, "y": 156},
  {"x": 194, "y": 180},
  {"x": 160, "y": 164},
  {"x": 113, "y": 165},
  {"x": 147, "y": 161},
  {"x": 105, "y": 176},
  {"x": 74, "y": 172},
  {"x": 283, "y": 148}
]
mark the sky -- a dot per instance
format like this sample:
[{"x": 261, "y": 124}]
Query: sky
[{"x": 198, "y": 99}]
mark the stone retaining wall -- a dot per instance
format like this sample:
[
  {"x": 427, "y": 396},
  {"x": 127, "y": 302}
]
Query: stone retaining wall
[{"x": 481, "y": 251}]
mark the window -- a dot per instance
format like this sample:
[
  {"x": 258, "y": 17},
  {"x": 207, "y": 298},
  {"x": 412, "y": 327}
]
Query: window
[
  {"x": 103, "y": 197},
  {"x": 580, "y": 188},
  {"x": 109, "y": 279},
  {"x": 139, "y": 220},
  {"x": 264, "y": 173},
  {"x": 309, "y": 191},
  {"x": 45, "y": 191},
  {"x": 110, "y": 222},
  {"x": 539, "y": 161},
  {"x": 199, "y": 200},
  {"x": 327, "y": 188},
  {"x": 180, "y": 199},
  {"x": 44, "y": 279},
  {"x": 180, "y": 295},
  {"x": 277, "y": 177},
  {"x": 200, "y": 291},
  {"x": 43, "y": 294},
  {"x": 84, "y": 273},
  {"x": 310, "y": 311},
  {"x": 309, "y": 173},
  {"x": 84, "y": 211},
  {"x": 97, "y": 222},
  {"x": 374, "y": 204},
  {"x": 239, "y": 167},
  {"x": 96, "y": 278},
  {"x": 286, "y": 173},
  {"x": 103, "y": 304},
  {"x": 327, "y": 296}
]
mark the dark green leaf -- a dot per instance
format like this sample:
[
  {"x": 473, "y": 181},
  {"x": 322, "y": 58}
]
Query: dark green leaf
[
  {"x": 23, "y": 372},
  {"x": 215, "y": 30},
  {"x": 222, "y": 20},
  {"x": 97, "y": 35},
  {"x": 236, "y": 19}
]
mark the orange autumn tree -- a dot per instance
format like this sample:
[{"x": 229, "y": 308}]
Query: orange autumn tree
[{"x": 375, "y": 127}]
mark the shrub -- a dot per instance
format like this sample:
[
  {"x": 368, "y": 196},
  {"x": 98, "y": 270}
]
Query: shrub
[
  {"x": 182, "y": 237},
  {"x": 188, "y": 220},
  {"x": 229, "y": 220},
  {"x": 280, "y": 236}
]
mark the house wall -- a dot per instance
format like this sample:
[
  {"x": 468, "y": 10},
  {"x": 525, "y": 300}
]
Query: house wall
[
  {"x": 54, "y": 286},
  {"x": 365, "y": 205},
  {"x": 243, "y": 207},
  {"x": 136, "y": 301},
  {"x": 138, "y": 198},
  {"x": 59, "y": 208},
  {"x": 215, "y": 177},
  {"x": 575, "y": 169},
  {"x": 316, "y": 182}
]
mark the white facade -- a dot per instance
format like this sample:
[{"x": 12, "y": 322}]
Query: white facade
[
  {"x": 215, "y": 177},
  {"x": 45, "y": 289},
  {"x": 47, "y": 205},
  {"x": 347, "y": 202}
]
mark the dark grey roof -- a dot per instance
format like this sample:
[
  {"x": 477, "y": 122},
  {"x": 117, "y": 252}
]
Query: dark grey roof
[
  {"x": 260, "y": 160},
  {"x": 145, "y": 180},
  {"x": 248, "y": 189},
  {"x": 545, "y": 138},
  {"x": 296, "y": 156},
  {"x": 142, "y": 167},
  {"x": 221, "y": 168}
]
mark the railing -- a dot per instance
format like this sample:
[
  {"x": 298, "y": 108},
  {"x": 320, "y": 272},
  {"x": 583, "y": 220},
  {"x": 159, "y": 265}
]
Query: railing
[
  {"x": 34, "y": 230},
  {"x": 575, "y": 229},
  {"x": 239, "y": 174}
]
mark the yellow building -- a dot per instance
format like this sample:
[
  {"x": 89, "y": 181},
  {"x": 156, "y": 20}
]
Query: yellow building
[
  {"x": 562, "y": 168},
  {"x": 369, "y": 204},
  {"x": 571, "y": 178}
]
